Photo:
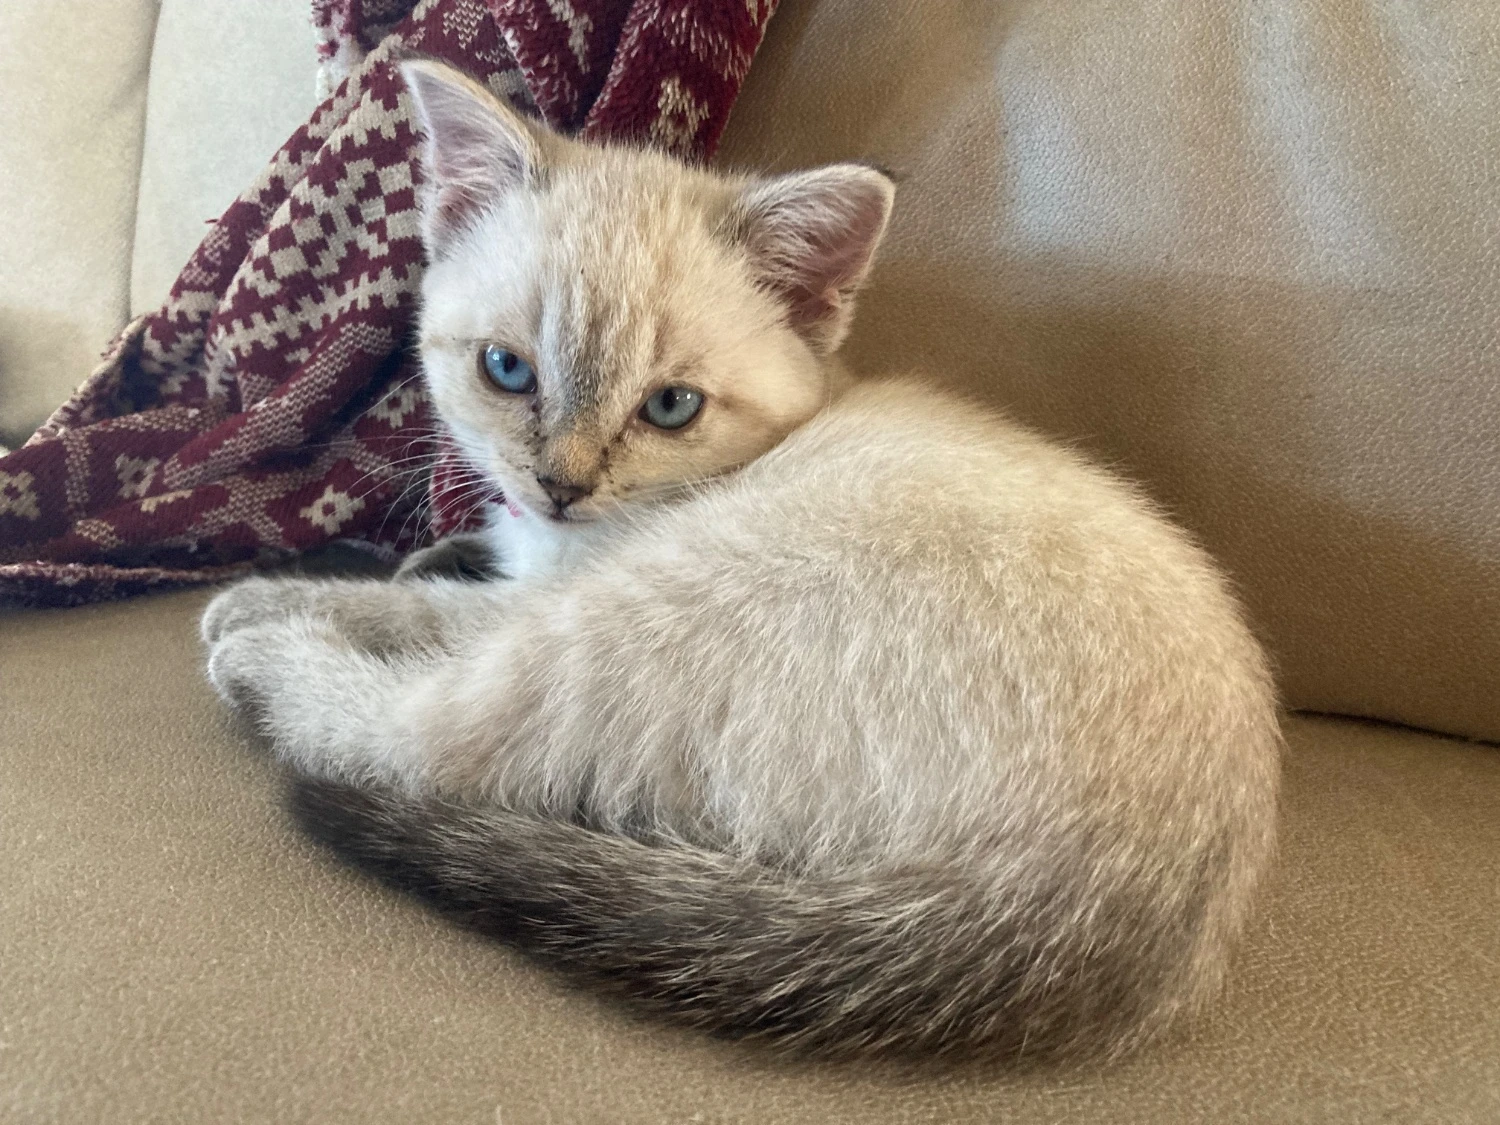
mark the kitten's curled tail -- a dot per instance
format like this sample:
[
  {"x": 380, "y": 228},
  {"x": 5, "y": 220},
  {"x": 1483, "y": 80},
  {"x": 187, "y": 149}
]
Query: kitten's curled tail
[{"x": 920, "y": 961}]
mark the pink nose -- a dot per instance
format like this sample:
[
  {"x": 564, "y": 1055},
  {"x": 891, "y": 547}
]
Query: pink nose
[{"x": 561, "y": 493}]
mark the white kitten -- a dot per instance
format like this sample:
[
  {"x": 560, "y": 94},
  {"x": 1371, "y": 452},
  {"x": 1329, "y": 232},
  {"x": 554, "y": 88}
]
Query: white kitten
[{"x": 854, "y": 717}]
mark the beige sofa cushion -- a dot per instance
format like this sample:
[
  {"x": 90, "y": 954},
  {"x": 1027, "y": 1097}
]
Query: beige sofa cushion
[
  {"x": 1248, "y": 252},
  {"x": 133, "y": 124},
  {"x": 231, "y": 80},
  {"x": 73, "y": 84},
  {"x": 171, "y": 951}
]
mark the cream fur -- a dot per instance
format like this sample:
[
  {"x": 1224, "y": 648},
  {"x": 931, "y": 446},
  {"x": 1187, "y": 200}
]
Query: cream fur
[{"x": 837, "y": 637}]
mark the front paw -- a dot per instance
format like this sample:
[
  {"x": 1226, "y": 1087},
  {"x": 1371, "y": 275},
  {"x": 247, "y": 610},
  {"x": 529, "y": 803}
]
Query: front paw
[
  {"x": 466, "y": 556},
  {"x": 254, "y": 601},
  {"x": 245, "y": 664}
]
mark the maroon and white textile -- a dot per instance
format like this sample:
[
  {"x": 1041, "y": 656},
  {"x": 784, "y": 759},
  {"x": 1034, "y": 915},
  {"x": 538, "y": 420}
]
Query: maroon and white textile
[{"x": 271, "y": 405}]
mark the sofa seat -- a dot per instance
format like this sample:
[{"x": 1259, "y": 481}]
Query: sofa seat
[
  {"x": 170, "y": 949},
  {"x": 1243, "y": 252}
]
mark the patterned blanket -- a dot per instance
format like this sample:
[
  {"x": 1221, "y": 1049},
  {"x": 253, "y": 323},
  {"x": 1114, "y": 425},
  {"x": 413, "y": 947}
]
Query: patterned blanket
[{"x": 272, "y": 404}]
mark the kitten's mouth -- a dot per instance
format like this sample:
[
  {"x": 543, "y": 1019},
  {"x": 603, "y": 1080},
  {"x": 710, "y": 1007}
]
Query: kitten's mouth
[
  {"x": 568, "y": 516},
  {"x": 518, "y": 508},
  {"x": 551, "y": 513}
]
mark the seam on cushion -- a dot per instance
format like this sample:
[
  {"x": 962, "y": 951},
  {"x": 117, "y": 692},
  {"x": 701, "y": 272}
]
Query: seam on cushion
[{"x": 140, "y": 166}]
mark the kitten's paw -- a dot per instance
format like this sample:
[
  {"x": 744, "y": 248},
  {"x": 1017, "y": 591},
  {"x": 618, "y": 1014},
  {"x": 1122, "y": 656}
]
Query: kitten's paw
[
  {"x": 244, "y": 664},
  {"x": 259, "y": 665},
  {"x": 458, "y": 556},
  {"x": 318, "y": 703},
  {"x": 254, "y": 601}
]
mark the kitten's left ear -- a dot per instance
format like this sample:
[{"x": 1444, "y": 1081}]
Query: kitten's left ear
[
  {"x": 477, "y": 148},
  {"x": 811, "y": 237}
]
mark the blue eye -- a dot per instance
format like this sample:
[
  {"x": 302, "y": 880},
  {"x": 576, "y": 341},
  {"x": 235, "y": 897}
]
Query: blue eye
[
  {"x": 508, "y": 371},
  {"x": 671, "y": 408}
]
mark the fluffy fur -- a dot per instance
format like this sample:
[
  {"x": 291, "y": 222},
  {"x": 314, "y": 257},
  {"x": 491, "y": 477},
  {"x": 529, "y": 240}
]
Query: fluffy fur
[{"x": 849, "y": 715}]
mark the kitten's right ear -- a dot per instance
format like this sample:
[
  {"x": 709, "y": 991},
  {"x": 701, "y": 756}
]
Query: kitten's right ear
[
  {"x": 811, "y": 237},
  {"x": 477, "y": 148}
]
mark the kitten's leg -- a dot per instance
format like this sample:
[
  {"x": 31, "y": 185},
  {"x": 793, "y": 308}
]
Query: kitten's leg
[
  {"x": 378, "y": 616},
  {"x": 327, "y": 706},
  {"x": 458, "y": 556},
  {"x": 461, "y": 721},
  {"x": 598, "y": 690}
]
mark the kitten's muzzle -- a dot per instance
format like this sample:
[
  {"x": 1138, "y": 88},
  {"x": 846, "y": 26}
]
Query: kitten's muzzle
[{"x": 562, "y": 493}]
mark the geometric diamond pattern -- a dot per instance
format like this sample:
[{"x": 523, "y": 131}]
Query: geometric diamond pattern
[{"x": 271, "y": 404}]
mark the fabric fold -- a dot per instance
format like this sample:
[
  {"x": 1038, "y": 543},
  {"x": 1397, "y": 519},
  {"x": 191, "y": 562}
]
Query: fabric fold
[{"x": 272, "y": 404}]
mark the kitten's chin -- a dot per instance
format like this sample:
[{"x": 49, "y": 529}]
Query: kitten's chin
[
  {"x": 518, "y": 501},
  {"x": 546, "y": 513}
]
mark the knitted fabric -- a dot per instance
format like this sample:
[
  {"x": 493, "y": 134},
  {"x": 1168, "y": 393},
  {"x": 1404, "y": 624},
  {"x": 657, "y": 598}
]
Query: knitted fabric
[{"x": 272, "y": 405}]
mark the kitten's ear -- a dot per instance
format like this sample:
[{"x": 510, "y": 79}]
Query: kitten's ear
[
  {"x": 812, "y": 236},
  {"x": 477, "y": 148}
]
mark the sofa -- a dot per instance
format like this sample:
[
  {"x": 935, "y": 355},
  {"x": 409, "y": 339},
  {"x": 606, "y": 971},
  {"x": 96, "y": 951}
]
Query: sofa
[{"x": 1245, "y": 251}]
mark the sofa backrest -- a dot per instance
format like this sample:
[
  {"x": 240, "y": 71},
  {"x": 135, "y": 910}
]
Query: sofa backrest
[
  {"x": 1247, "y": 252},
  {"x": 132, "y": 124},
  {"x": 73, "y": 84}
]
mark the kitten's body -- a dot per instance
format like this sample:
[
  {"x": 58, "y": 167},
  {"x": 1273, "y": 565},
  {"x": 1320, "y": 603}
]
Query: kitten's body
[{"x": 914, "y": 731}]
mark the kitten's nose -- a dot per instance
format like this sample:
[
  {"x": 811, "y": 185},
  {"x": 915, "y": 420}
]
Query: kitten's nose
[{"x": 562, "y": 494}]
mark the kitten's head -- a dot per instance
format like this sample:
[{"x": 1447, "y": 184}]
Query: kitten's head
[{"x": 602, "y": 325}]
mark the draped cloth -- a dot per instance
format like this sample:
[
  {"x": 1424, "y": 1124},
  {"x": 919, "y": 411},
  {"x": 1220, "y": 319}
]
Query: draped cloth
[{"x": 272, "y": 404}]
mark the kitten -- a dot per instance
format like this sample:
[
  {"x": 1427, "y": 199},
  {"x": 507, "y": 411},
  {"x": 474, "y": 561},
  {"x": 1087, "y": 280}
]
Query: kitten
[{"x": 846, "y": 715}]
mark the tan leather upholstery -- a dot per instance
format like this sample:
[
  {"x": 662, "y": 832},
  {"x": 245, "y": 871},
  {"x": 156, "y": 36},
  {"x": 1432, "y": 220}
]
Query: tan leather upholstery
[
  {"x": 1249, "y": 252},
  {"x": 1246, "y": 250},
  {"x": 131, "y": 124},
  {"x": 73, "y": 87},
  {"x": 170, "y": 950},
  {"x": 221, "y": 103}
]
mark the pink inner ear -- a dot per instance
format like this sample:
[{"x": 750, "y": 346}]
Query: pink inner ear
[
  {"x": 814, "y": 238},
  {"x": 475, "y": 149},
  {"x": 470, "y": 152},
  {"x": 837, "y": 257},
  {"x": 471, "y": 165}
]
